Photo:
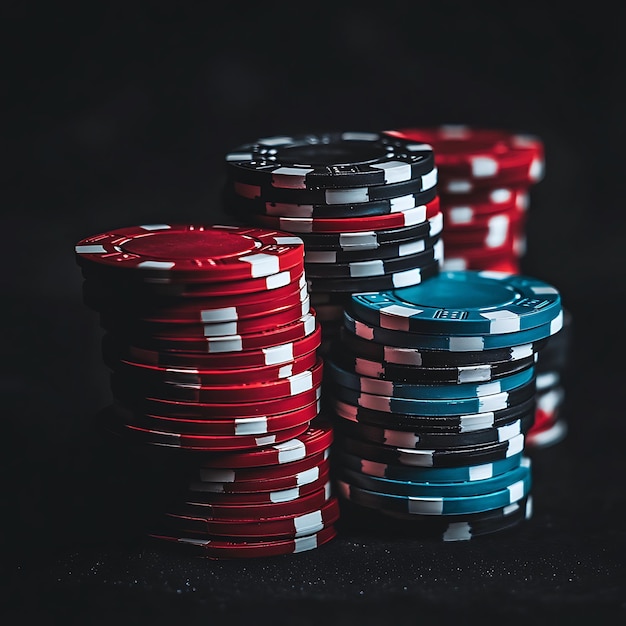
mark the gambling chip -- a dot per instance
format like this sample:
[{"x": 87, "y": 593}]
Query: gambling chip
[
  {"x": 179, "y": 252},
  {"x": 212, "y": 346},
  {"x": 330, "y": 160},
  {"x": 463, "y": 303}
]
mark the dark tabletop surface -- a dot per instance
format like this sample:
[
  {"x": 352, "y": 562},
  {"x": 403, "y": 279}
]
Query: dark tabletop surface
[{"x": 116, "y": 118}]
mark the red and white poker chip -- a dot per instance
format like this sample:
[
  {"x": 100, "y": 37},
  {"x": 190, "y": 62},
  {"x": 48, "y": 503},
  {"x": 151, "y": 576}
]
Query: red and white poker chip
[{"x": 215, "y": 252}]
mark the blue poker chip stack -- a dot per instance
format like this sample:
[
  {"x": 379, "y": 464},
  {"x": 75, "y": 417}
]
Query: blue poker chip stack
[
  {"x": 364, "y": 203},
  {"x": 433, "y": 389}
]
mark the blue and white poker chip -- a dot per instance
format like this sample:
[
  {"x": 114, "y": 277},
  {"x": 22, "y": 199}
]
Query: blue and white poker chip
[
  {"x": 452, "y": 343},
  {"x": 464, "y": 303},
  {"x": 430, "y": 505},
  {"x": 452, "y": 406},
  {"x": 436, "y": 490},
  {"x": 431, "y": 475}
]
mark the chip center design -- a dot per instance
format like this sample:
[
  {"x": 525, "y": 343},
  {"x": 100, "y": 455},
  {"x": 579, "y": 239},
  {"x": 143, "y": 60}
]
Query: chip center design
[{"x": 199, "y": 244}]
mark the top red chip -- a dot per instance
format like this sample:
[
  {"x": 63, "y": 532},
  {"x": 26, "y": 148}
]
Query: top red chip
[
  {"x": 219, "y": 253},
  {"x": 479, "y": 153}
]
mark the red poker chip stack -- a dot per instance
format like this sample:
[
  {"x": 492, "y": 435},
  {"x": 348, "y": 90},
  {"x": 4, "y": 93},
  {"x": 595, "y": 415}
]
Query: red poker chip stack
[
  {"x": 213, "y": 348},
  {"x": 485, "y": 176}
]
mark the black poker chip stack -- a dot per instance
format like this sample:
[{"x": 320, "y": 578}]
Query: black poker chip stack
[{"x": 365, "y": 205}]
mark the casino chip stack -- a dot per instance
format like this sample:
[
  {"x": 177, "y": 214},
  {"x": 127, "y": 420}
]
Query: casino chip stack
[
  {"x": 433, "y": 392},
  {"x": 485, "y": 178},
  {"x": 365, "y": 204},
  {"x": 212, "y": 346}
]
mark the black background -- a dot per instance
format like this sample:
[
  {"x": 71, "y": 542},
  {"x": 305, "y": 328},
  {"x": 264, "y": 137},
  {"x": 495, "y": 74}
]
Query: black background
[{"x": 122, "y": 115}]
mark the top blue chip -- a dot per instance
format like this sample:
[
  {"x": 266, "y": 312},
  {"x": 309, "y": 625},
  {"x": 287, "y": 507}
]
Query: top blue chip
[{"x": 462, "y": 303}]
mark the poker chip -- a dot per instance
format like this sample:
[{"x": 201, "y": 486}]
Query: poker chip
[
  {"x": 480, "y": 155},
  {"x": 495, "y": 233},
  {"x": 433, "y": 439},
  {"x": 197, "y": 341},
  {"x": 411, "y": 374},
  {"x": 464, "y": 303},
  {"x": 375, "y": 267},
  {"x": 243, "y": 477},
  {"x": 244, "y": 393},
  {"x": 437, "y": 358},
  {"x": 428, "y": 475},
  {"x": 411, "y": 216},
  {"x": 280, "y": 527},
  {"x": 330, "y": 160},
  {"x": 233, "y": 510},
  {"x": 462, "y": 423},
  {"x": 202, "y": 310},
  {"x": 316, "y": 438},
  {"x": 373, "y": 239},
  {"x": 494, "y": 229},
  {"x": 383, "y": 252},
  {"x": 235, "y": 426},
  {"x": 442, "y": 407},
  {"x": 410, "y": 277},
  {"x": 442, "y": 529},
  {"x": 187, "y": 251},
  {"x": 195, "y": 376},
  {"x": 129, "y": 396},
  {"x": 452, "y": 343},
  {"x": 449, "y": 457},
  {"x": 197, "y": 495},
  {"x": 425, "y": 391},
  {"x": 332, "y": 196},
  {"x": 218, "y": 548},
  {"x": 201, "y": 288},
  {"x": 280, "y": 354},
  {"x": 482, "y": 207},
  {"x": 279, "y": 483},
  {"x": 250, "y": 208},
  {"x": 242, "y": 326},
  {"x": 212, "y": 443},
  {"x": 429, "y": 505},
  {"x": 410, "y": 489}
]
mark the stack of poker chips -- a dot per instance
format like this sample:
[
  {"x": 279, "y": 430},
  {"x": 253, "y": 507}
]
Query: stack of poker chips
[
  {"x": 212, "y": 346},
  {"x": 485, "y": 176},
  {"x": 433, "y": 392},
  {"x": 365, "y": 205},
  {"x": 485, "y": 180}
]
